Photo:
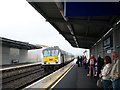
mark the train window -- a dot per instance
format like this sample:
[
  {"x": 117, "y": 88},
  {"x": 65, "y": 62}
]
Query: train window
[
  {"x": 54, "y": 53},
  {"x": 46, "y": 53},
  {"x": 50, "y": 52}
]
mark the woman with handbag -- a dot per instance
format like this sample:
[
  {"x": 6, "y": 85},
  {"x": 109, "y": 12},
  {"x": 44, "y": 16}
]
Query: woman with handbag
[{"x": 105, "y": 73}]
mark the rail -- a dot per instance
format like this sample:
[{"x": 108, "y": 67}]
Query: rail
[{"x": 47, "y": 81}]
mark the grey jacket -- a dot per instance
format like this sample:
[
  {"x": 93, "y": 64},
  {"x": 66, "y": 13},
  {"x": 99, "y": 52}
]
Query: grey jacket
[{"x": 115, "y": 72}]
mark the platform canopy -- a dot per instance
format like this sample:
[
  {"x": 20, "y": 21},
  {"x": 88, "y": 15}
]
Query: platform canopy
[
  {"x": 17, "y": 44},
  {"x": 79, "y": 31}
]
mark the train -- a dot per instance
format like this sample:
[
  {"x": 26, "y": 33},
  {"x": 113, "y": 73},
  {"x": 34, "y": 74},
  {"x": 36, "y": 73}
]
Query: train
[
  {"x": 55, "y": 56},
  {"x": 51, "y": 58}
]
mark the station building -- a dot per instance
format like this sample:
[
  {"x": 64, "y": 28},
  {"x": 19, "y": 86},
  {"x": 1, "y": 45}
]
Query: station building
[{"x": 12, "y": 51}]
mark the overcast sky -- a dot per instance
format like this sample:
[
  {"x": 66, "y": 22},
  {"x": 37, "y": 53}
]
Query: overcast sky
[{"x": 20, "y": 21}]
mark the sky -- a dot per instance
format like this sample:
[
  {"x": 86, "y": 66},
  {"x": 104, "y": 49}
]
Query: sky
[{"x": 20, "y": 21}]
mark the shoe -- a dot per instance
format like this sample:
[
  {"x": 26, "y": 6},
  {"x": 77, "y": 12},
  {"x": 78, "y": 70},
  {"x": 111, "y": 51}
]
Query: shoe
[
  {"x": 95, "y": 74},
  {"x": 88, "y": 74}
]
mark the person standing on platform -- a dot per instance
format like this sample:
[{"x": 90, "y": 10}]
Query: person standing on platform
[
  {"x": 85, "y": 62},
  {"x": 100, "y": 63},
  {"x": 105, "y": 73},
  {"x": 81, "y": 59},
  {"x": 92, "y": 62},
  {"x": 78, "y": 61},
  {"x": 115, "y": 72}
]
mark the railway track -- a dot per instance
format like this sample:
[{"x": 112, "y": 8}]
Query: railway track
[{"x": 16, "y": 78}]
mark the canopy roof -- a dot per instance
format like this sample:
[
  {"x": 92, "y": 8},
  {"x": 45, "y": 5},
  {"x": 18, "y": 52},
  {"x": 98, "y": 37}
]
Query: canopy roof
[
  {"x": 82, "y": 31},
  {"x": 18, "y": 44}
]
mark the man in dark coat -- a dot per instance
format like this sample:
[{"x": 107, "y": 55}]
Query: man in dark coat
[{"x": 100, "y": 63}]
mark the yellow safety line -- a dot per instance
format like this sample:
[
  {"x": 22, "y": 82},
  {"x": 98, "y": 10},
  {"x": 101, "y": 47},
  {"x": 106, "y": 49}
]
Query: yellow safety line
[{"x": 60, "y": 78}]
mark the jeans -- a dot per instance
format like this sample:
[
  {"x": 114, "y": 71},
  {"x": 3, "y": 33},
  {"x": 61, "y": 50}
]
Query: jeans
[
  {"x": 116, "y": 84},
  {"x": 91, "y": 70},
  {"x": 106, "y": 84}
]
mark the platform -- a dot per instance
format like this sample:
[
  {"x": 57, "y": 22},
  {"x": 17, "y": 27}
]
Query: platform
[
  {"x": 69, "y": 77},
  {"x": 76, "y": 78}
]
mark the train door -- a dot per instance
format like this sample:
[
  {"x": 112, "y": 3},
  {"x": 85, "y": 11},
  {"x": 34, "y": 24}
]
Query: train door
[{"x": 63, "y": 58}]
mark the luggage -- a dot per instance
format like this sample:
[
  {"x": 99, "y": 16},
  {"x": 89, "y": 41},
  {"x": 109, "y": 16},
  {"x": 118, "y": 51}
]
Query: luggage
[{"x": 99, "y": 82}]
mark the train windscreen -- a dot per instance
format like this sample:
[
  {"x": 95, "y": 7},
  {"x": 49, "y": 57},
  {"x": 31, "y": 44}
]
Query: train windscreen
[{"x": 51, "y": 52}]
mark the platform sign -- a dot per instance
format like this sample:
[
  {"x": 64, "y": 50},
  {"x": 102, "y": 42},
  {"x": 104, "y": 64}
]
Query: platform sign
[
  {"x": 91, "y": 8},
  {"x": 109, "y": 51},
  {"x": 108, "y": 42}
]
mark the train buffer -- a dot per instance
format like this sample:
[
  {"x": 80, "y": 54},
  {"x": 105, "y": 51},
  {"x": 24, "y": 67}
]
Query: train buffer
[{"x": 69, "y": 77}]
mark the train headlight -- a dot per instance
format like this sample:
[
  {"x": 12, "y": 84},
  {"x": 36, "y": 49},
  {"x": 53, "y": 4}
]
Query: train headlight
[
  {"x": 56, "y": 62},
  {"x": 44, "y": 62}
]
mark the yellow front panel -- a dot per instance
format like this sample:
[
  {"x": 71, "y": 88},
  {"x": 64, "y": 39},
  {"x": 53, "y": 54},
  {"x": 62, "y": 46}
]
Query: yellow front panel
[{"x": 50, "y": 59}]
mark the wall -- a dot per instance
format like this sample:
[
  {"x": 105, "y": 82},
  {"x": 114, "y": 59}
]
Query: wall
[
  {"x": 13, "y": 54},
  {"x": 34, "y": 55},
  {"x": 99, "y": 48},
  {"x": 23, "y": 56},
  {"x": 5, "y": 55},
  {"x": 0, "y": 63},
  {"x": 0, "y": 50},
  {"x": 117, "y": 39}
]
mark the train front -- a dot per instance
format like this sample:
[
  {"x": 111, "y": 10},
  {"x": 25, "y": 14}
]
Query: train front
[{"x": 50, "y": 56}]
